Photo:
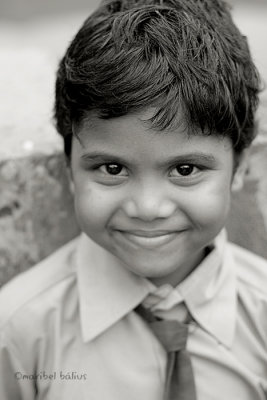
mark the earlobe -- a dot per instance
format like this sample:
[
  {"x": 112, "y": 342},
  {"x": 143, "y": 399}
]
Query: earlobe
[
  {"x": 70, "y": 180},
  {"x": 240, "y": 172},
  {"x": 71, "y": 186}
]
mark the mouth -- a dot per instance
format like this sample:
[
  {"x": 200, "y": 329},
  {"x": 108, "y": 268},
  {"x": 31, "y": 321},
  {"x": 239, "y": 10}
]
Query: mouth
[{"x": 148, "y": 239}]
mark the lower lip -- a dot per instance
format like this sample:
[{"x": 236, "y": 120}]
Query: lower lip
[{"x": 148, "y": 242}]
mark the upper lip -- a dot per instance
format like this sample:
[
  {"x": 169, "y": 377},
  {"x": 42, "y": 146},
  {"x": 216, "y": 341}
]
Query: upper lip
[{"x": 146, "y": 233}]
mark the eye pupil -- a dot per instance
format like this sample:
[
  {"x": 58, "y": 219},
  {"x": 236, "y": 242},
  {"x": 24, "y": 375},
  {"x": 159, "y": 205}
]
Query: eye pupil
[
  {"x": 113, "y": 169},
  {"x": 185, "y": 169}
]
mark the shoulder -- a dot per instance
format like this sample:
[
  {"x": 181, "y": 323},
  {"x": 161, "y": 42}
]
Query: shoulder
[
  {"x": 251, "y": 269},
  {"x": 41, "y": 281}
]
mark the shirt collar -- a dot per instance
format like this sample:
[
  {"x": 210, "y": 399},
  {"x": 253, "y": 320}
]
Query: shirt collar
[
  {"x": 108, "y": 291},
  {"x": 210, "y": 295}
]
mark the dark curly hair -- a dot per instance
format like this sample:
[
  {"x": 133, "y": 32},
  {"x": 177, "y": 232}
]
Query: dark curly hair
[{"x": 174, "y": 54}]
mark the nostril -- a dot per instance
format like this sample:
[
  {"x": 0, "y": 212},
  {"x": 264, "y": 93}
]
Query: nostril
[{"x": 149, "y": 211}]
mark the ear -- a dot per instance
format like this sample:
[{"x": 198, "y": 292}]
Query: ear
[
  {"x": 70, "y": 179},
  {"x": 240, "y": 171}
]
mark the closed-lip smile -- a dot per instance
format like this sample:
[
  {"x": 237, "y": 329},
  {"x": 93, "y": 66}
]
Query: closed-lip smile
[
  {"x": 149, "y": 234},
  {"x": 149, "y": 239}
]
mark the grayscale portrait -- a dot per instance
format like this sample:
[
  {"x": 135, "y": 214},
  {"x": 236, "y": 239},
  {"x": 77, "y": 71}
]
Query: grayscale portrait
[{"x": 133, "y": 188}]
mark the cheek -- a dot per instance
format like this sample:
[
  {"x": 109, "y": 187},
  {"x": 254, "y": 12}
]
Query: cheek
[
  {"x": 210, "y": 208},
  {"x": 94, "y": 208}
]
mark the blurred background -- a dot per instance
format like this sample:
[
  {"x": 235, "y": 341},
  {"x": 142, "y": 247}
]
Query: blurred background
[{"x": 36, "y": 211}]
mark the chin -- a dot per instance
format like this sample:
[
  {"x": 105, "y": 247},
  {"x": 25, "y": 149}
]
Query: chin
[{"x": 151, "y": 270}]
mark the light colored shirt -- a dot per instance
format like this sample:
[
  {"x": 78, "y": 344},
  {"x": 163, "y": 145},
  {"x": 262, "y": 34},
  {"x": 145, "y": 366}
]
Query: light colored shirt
[{"x": 68, "y": 329}]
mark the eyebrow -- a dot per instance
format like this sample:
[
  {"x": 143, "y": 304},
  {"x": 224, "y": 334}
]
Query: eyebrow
[
  {"x": 189, "y": 158},
  {"x": 105, "y": 156}
]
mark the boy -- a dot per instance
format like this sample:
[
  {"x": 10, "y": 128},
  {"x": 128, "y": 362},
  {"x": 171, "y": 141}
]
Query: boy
[{"x": 155, "y": 100}]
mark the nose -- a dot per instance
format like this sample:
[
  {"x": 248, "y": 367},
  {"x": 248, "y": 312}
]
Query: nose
[{"x": 149, "y": 202}]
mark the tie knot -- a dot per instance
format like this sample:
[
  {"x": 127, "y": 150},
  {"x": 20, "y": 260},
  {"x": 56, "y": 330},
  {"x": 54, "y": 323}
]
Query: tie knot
[{"x": 171, "y": 334}]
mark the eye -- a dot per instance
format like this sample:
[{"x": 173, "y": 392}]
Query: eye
[
  {"x": 113, "y": 169},
  {"x": 184, "y": 170}
]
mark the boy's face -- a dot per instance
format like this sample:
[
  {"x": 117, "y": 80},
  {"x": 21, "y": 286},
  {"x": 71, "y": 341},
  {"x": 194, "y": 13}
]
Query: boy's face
[{"x": 153, "y": 199}]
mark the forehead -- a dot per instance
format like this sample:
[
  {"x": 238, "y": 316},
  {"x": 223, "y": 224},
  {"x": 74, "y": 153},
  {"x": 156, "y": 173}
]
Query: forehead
[{"x": 132, "y": 136}]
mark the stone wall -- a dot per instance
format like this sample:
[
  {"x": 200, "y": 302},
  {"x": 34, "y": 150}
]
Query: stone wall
[{"x": 36, "y": 211}]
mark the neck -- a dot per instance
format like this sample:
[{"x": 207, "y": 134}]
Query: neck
[{"x": 181, "y": 273}]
